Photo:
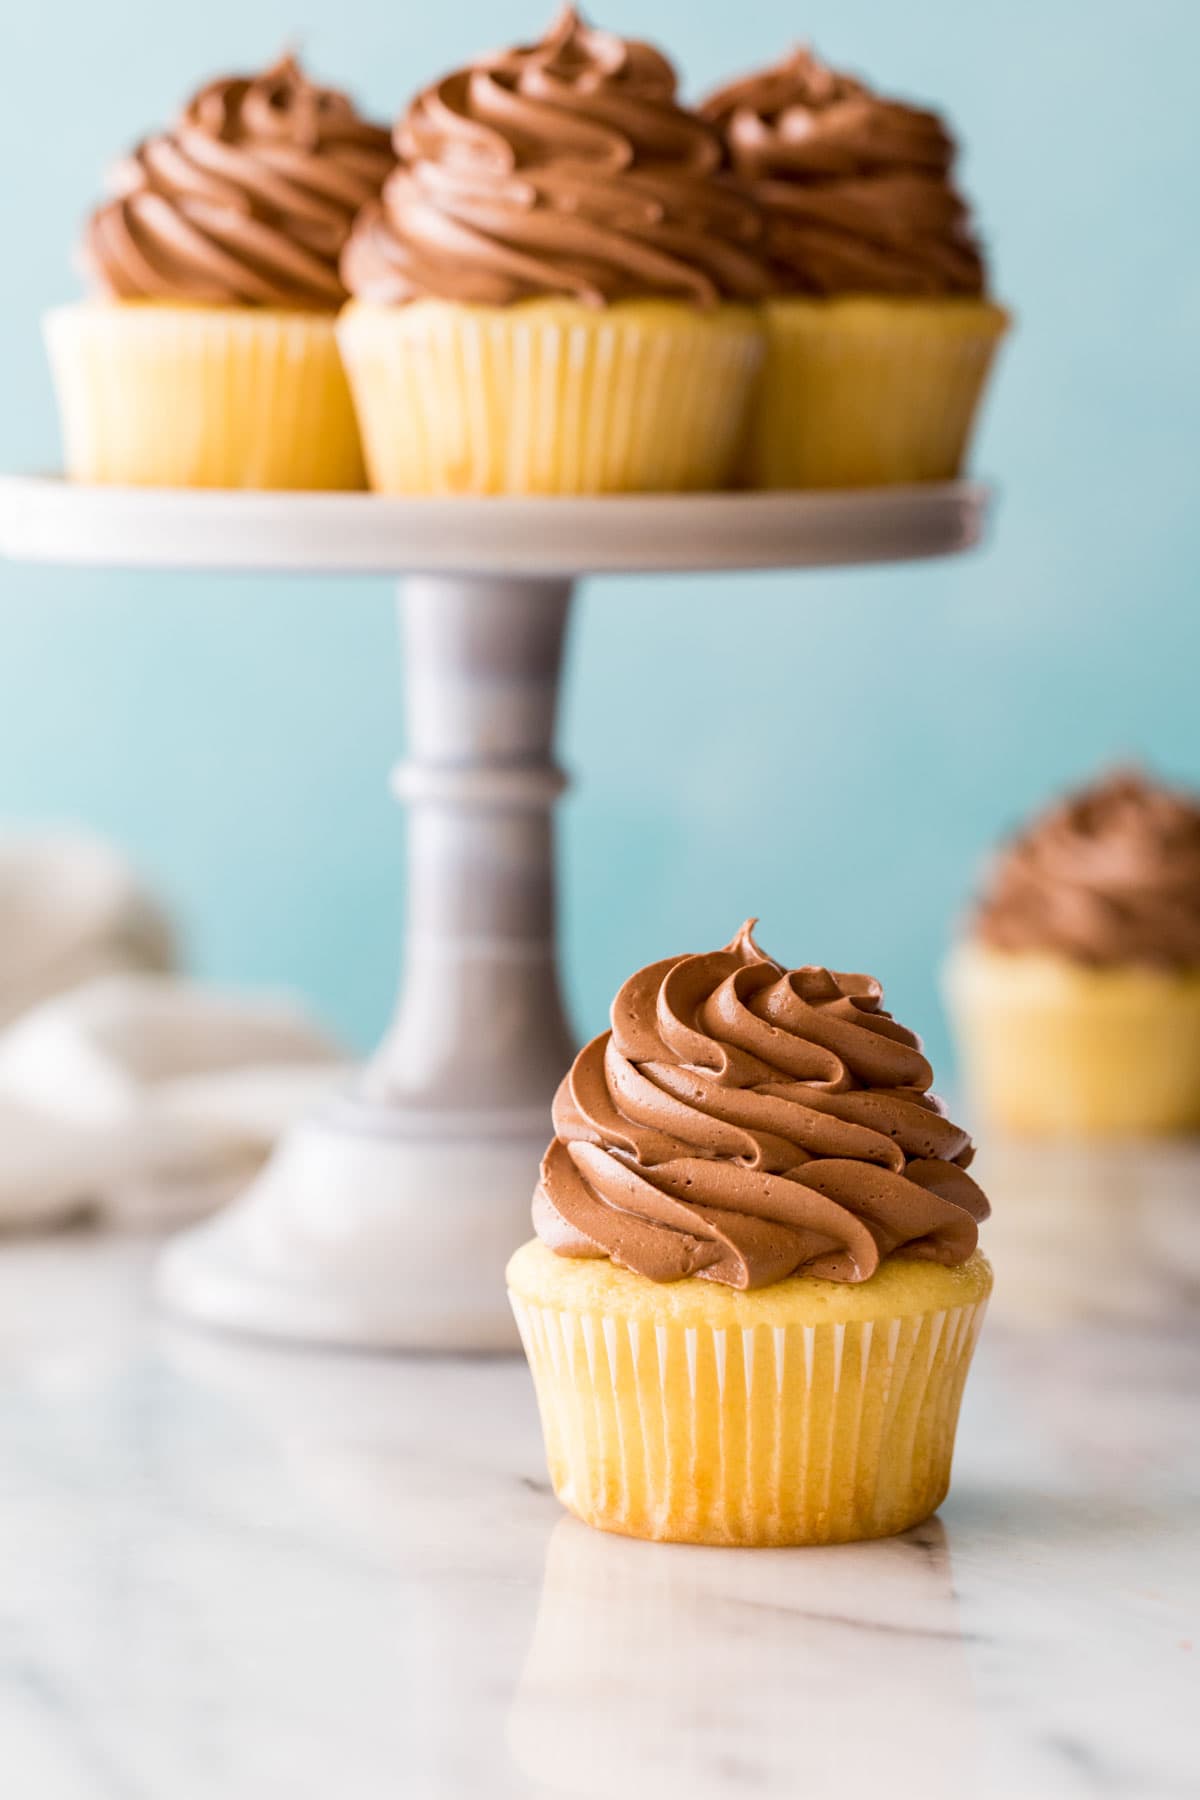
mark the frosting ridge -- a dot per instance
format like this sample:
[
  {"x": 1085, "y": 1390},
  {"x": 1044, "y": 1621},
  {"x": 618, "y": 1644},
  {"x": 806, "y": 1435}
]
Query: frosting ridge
[
  {"x": 1109, "y": 875},
  {"x": 858, "y": 190},
  {"x": 741, "y": 1122},
  {"x": 564, "y": 168},
  {"x": 247, "y": 200}
]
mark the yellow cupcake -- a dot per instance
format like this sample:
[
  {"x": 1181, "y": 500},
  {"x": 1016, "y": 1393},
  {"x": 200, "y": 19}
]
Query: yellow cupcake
[
  {"x": 1058, "y": 1047},
  {"x": 211, "y": 359},
  {"x": 568, "y": 315},
  {"x": 152, "y": 394},
  {"x": 808, "y": 1412},
  {"x": 863, "y": 392},
  {"x": 550, "y": 396},
  {"x": 1076, "y": 996},
  {"x": 756, "y": 1289},
  {"x": 880, "y": 340}
]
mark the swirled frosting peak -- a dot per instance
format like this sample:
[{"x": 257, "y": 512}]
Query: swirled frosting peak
[
  {"x": 1109, "y": 875},
  {"x": 857, "y": 190},
  {"x": 565, "y": 168},
  {"x": 246, "y": 201},
  {"x": 742, "y": 1122}
]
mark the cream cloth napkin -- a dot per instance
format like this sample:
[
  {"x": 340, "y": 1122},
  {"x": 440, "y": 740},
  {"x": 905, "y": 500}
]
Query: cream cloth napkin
[
  {"x": 125, "y": 1089},
  {"x": 70, "y": 908}
]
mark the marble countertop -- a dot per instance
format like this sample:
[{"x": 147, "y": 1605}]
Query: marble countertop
[{"x": 244, "y": 1572}]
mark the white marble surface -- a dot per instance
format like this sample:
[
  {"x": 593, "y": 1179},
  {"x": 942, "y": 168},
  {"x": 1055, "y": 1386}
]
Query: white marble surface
[{"x": 246, "y": 1572}]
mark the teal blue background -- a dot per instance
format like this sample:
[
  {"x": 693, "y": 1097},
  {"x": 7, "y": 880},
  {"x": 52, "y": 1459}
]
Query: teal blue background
[{"x": 831, "y": 751}]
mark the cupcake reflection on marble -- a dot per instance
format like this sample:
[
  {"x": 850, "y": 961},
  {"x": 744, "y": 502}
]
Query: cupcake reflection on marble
[
  {"x": 627, "y": 1639},
  {"x": 880, "y": 333},
  {"x": 554, "y": 294},
  {"x": 1076, "y": 990},
  {"x": 755, "y": 1288},
  {"x": 207, "y": 357}
]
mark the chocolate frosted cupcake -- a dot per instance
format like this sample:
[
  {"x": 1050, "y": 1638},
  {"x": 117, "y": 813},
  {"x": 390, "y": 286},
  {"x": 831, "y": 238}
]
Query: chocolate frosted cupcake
[
  {"x": 208, "y": 358},
  {"x": 756, "y": 1287},
  {"x": 551, "y": 295},
  {"x": 881, "y": 337},
  {"x": 1077, "y": 990}
]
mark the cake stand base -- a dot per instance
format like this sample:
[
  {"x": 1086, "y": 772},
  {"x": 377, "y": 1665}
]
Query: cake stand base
[
  {"x": 386, "y": 1222},
  {"x": 364, "y": 1236}
]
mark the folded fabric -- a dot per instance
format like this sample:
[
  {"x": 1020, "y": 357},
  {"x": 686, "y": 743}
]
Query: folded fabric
[
  {"x": 142, "y": 1094},
  {"x": 70, "y": 909}
]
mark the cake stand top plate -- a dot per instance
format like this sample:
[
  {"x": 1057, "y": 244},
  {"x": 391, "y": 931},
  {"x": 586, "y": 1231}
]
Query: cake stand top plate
[{"x": 44, "y": 518}]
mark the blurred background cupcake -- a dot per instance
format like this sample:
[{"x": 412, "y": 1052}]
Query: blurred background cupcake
[
  {"x": 1076, "y": 991},
  {"x": 552, "y": 295},
  {"x": 208, "y": 357},
  {"x": 881, "y": 337}
]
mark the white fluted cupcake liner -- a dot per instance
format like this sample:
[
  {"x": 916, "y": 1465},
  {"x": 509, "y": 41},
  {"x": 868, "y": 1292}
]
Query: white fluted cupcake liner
[
  {"x": 550, "y": 397},
  {"x": 761, "y": 1433},
  {"x": 867, "y": 392},
  {"x": 191, "y": 396}
]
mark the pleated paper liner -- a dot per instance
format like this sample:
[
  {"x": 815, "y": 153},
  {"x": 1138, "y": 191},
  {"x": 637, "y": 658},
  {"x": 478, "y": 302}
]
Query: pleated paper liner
[
  {"x": 208, "y": 397},
  {"x": 809, "y": 1412},
  {"x": 551, "y": 397},
  {"x": 869, "y": 392}
]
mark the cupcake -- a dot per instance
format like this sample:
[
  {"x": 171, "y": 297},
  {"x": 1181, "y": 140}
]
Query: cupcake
[
  {"x": 880, "y": 338},
  {"x": 551, "y": 296},
  {"x": 755, "y": 1288},
  {"x": 208, "y": 356},
  {"x": 1076, "y": 992}
]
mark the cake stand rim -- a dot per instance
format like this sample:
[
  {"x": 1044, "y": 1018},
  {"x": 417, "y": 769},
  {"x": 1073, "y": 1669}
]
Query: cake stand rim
[{"x": 44, "y": 518}]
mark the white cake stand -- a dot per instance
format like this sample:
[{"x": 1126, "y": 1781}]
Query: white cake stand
[{"x": 386, "y": 1220}]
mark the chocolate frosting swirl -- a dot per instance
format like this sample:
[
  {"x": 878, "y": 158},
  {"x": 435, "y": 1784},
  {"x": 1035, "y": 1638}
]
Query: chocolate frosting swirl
[
  {"x": 857, "y": 189},
  {"x": 564, "y": 168},
  {"x": 741, "y": 1122},
  {"x": 1109, "y": 875},
  {"x": 247, "y": 201}
]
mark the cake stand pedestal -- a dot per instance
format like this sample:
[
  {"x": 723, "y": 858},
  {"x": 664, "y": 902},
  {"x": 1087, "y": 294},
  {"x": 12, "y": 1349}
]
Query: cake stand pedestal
[{"x": 386, "y": 1220}]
